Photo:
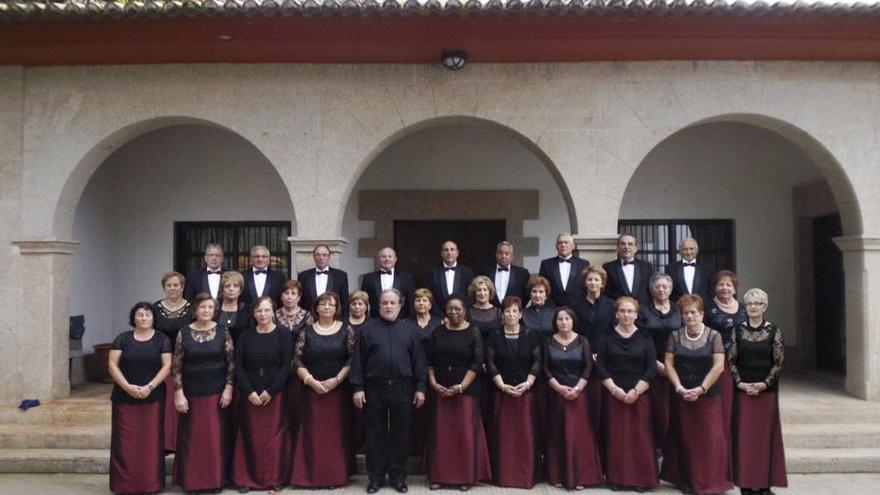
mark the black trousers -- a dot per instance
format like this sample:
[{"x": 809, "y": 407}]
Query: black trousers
[{"x": 388, "y": 414}]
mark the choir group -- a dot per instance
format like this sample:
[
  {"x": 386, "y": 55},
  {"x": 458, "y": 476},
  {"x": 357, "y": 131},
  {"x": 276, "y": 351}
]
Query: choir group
[{"x": 579, "y": 376}]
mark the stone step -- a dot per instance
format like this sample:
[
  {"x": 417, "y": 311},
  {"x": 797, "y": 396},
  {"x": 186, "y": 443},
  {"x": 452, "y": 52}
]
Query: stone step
[
  {"x": 28, "y": 436},
  {"x": 67, "y": 413},
  {"x": 812, "y": 461},
  {"x": 842, "y": 415},
  {"x": 80, "y": 461},
  {"x": 831, "y": 436}
]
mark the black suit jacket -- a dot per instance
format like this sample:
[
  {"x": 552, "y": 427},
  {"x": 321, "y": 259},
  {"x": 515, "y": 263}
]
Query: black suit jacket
[
  {"x": 337, "y": 281},
  {"x": 404, "y": 282},
  {"x": 437, "y": 280},
  {"x": 516, "y": 286},
  {"x": 274, "y": 281},
  {"x": 574, "y": 289},
  {"x": 703, "y": 280},
  {"x": 197, "y": 282},
  {"x": 617, "y": 287}
]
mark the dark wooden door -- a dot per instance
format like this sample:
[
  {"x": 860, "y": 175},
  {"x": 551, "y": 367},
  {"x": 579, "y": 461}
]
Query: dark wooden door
[
  {"x": 830, "y": 301},
  {"x": 418, "y": 243}
]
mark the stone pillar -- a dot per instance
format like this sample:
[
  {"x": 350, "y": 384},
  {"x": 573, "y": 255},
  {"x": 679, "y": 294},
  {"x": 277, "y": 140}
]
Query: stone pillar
[
  {"x": 43, "y": 336},
  {"x": 597, "y": 249},
  {"x": 861, "y": 264},
  {"x": 302, "y": 248}
]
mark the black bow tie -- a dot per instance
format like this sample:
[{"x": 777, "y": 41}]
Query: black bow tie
[
  {"x": 322, "y": 272},
  {"x": 386, "y": 272},
  {"x": 689, "y": 263},
  {"x": 259, "y": 272},
  {"x": 214, "y": 272},
  {"x": 503, "y": 268},
  {"x": 633, "y": 262},
  {"x": 449, "y": 268},
  {"x": 565, "y": 260}
]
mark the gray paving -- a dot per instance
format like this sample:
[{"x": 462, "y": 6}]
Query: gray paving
[{"x": 81, "y": 484}]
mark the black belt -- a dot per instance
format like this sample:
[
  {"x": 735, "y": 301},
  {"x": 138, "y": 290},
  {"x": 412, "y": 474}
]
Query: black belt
[{"x": 388, "y": 383}]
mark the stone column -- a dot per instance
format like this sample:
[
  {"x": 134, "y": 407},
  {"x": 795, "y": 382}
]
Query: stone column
[
  {"x": 302, "y": 248},
  {"x": 43, "y": 336},
  {"x": 861, "y": 264},
  {"x": 597, "y": 249}
]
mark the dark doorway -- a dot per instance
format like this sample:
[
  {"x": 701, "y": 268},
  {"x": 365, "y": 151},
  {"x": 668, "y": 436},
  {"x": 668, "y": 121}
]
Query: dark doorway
[
  {"x": 418, "y": 243},
  {"x": 830, "y": 302}
]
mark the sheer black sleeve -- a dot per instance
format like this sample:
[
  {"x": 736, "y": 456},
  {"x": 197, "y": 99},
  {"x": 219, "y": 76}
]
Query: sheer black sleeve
[
  {"x": 299, "y": 351},
  {"x": 537, "y": 355},
  {"x": 477, "y": 352},
  {"x": 588, "y": 358},
  {"x": 650, "y": 360},
  {"x": 279, "y": 383},
  {"x": 491, "y": 368},
  {"x": 244, "y": 383},
  {"x": 732, "y": 354},
  {"x": 778, "y": 357},
  {"x": 177, "y": 362}
]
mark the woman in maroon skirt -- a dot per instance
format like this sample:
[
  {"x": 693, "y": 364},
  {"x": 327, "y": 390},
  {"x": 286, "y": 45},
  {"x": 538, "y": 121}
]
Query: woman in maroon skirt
[
  {"x": 140, "y": 360},
  {"x": 291, "y": 316},
  {"x": 513, "y": 360},
  {"x": 425, "y": 321},
  {"x": 324, "y": 456},
  {"x": 627, "y": 363},
  {"x": 261, "y": 457},
  {"x": 204, "y": 373},
  {"x": 755, "y": 358},
  {"x": 696, "y": 454},
  {"x": 457, "y": 453},
  {"x": 173, "y": 312},
  {"x": 572, "y": 455}
]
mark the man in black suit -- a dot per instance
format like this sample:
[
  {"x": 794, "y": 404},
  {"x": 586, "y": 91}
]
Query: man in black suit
[
  {"x": 450, "y": 278},
  {"x": 690, "y": 276},
  {"x": 388, "y": 277},
  {"x": 509, "y": 279},
  {"x": 564, "y": 273},
  {"x": 206, "y": 278},
  {"x": 322, "y": 278},
  {"x": 261, "y": 280},
  {"x": 628, "y": 276}
]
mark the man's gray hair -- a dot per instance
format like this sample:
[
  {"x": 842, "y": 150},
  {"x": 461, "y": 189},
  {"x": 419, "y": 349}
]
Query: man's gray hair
[
  {"x": 394, "y": 291},
  {"x": 259, "y": 248},
  {"x": 657, "y": 276}
]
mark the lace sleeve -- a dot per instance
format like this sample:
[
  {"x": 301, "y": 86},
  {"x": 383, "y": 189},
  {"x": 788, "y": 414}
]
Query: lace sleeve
[
  {"x": 670, "y": 342},
  {"x": 229, "y": 348},
  {"x": 778, "y": 357},
  {"x": 177, "y": 362},
  {"x": 545, "y": 354},
  {"x": 731, "y": 356},
  {"x": 350, "y": 340},
  {"x": 491, "y": 367},
  {"x": 717, "y": 342},
  {"x": 535, "y": 370},
  {"x": 588, "y": 358},
  {"x": 477, "y": 353},
  {"x": 299, "y": 351}
]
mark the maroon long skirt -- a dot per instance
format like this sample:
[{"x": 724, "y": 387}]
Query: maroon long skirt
[
  {"x": 696, "y": 454},
  {"x": 513, "y": 450},
  {"x": 572, "y": 453},
  {"x": 171, "y": 414},
  {"x": 758, "y": 454},
  {"x": 202, "y": 445},
  {"x": 294, "y": 391},
  {"x": 457, "y": 452},
  {"x": 594, "y": 398},
  {"x": 660, "y": 395},
  {"x": 137, "y": 459},
  {"x": 725, "y": 383},
  {"x": 323, "y": 455},
  {"x": 628, "y": 442},
  {"x": 261, "y": 457}
]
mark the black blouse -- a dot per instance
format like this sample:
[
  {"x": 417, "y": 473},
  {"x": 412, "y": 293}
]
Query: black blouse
[
  {"x": 513, "y": 358},
  {"x": 235, "y": 321},
  {"x": 627, "y": 360},
  {"x": 170, "y": 322},
  {"x": 757, "y": 354},
  {"x": 262, "y": 360},
  {"x": 595, "y": 319},
  {"x": 694, "y": 358},
  {"x": 717, "y": 319},
  {"x": 324, "y": 355},
  {"x": 659, "y": 325},
  {"x": 540, "y": 319},
  {"x": 357, "y": 327},
  {"x": 452, "y": 353},
  {"x": 139, "y": 363},
  {"x": 568, "y": 363},
  {"x": 487, "y": 320}
]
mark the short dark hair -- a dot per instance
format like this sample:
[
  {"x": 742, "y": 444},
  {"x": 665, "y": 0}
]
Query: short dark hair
[
  {"x": 136, "y": 307},
  {"x": 570, "y": 313},
  {"x": 200, "y": 298},
  {"x": 260, "y": 300},
  {"x": 511, "y": 301},
  {"x": 455, "y": 297},
  {"x": 323, "y": 297}
]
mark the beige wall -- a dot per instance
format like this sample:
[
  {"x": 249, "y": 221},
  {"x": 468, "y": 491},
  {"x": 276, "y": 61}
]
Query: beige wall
[{"x": 321, "y": 126}]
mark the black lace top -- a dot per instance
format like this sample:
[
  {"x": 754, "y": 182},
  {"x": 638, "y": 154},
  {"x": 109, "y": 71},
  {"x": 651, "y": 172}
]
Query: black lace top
[
  {"x": 263, "y": 360},
  {"x": 139, "y": 363},
  {"x": 757, "y": 354},
  {"x": 487, "y": 320},
  {"x": 324, "y": 355},
  {"x": 694, "y": 357},
  {"x": 170, "y": 322},
  {"x": 717, "y": 319},
  {"x": 452, "y": 353},
  {"x": 204, "y": 361},
  {"x": 296, "y": 321}
]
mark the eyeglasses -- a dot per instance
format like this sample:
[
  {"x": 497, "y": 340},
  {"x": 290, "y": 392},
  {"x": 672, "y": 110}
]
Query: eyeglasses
[{"x": 755, "y": 303}]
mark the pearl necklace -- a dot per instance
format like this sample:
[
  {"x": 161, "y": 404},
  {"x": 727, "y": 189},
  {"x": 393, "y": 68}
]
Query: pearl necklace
[{"x": 694, "y": 339}]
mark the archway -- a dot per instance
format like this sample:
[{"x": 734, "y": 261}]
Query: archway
[{"x": 774, "y": 183}]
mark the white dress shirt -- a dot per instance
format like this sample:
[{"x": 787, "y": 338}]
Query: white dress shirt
[
  {"x": 629, "y": 271},
  {"x": 564, "y": 271},
  {"x": 259, "y": 282},
  {"x": 321, "y": 281},
  {"x": 386, "y": 280},
  {"x": 450, "y": 277},
  {"x": 214, "y": 284},
  {"x": 502, "y": 281},
  {"x": 689, "y": 271}
]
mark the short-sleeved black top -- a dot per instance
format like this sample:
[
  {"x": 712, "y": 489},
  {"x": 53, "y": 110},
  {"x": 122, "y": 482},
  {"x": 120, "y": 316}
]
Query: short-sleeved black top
[{"x": 139, "y": 363}]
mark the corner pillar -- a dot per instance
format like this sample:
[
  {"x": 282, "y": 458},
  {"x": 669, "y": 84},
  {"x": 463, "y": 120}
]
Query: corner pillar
[
  {"x": 303, "y": 247},
  {"x": 597, "y": 249},
  {"x": 43, "y": 342},
  {"x": 861, "y": 264}
]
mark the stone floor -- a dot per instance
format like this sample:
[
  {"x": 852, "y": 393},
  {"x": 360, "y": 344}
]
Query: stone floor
[{"x": 81, "y": 484}]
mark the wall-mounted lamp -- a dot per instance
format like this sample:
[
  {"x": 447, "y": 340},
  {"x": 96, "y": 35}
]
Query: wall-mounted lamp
[{"x": 454, "y": 60}]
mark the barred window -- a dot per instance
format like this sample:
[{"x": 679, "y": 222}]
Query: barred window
[
  {"x": 658, "y": 240},
  {"x": 236, "y": 238}
]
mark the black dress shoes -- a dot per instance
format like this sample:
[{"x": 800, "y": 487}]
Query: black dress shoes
[
  {"x": 401, "y": 487},
  {"x": 374, "y": 486}
]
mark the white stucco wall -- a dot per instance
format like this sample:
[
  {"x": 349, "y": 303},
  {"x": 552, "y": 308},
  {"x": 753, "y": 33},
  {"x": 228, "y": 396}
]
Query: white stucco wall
[
  {"x": 125, "y": 219},
  {"x": 458, "y": 157},
  {"x": 721, "y": 171}
]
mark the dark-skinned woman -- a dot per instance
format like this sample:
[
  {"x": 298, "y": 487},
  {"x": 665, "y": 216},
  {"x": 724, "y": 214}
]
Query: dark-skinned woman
[
  {"x": 139, "y": 362},
  {"x": 572, "y": 455},
  {"x": 261, "y": 458},
  {"x": 696, "y": 454},
  {"x": 457, "y": 452},
  {"x": 324, "y": 456},
  {"x": 513, "y": 361},
  {"x": 627, "y": 363},
  {"x": 204, "y": 375},
  {"x": 755, "y": 357}
]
